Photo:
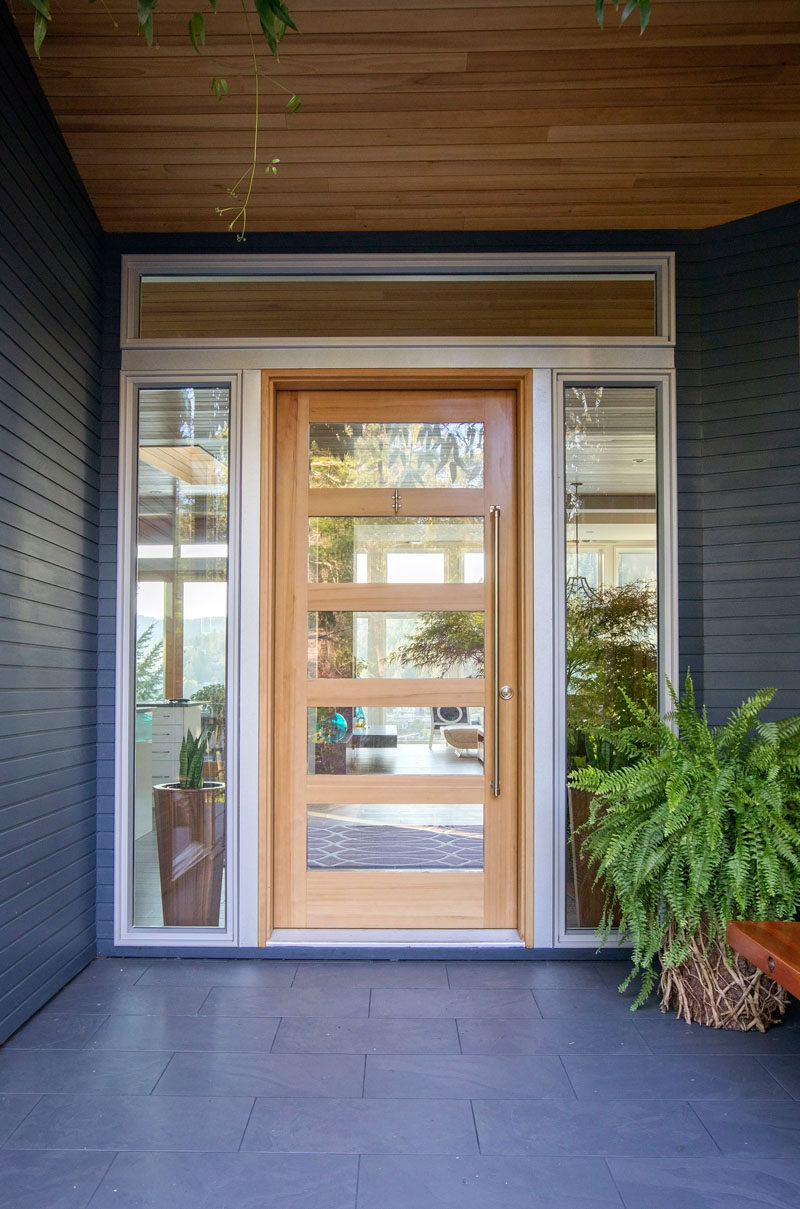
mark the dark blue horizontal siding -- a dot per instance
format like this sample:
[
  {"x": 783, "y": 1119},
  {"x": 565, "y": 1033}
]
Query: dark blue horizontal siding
[
  {"x": 50, "y": 311},
  {"x": 751, "y": 462},
  {"x": 690, "y": 301}
]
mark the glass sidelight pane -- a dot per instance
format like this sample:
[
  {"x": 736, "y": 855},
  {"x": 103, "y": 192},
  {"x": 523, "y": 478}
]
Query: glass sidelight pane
[
  {"x": 417, "y": 836},
  {"x": 416, "y": 740},
  {"x": 611, "y": 592},
  {"x": 396, "y": 455},
  {"x": 395, "y": 646},
  {"x": 180, "y": 656},
  {"x": 403, "y": 549}
]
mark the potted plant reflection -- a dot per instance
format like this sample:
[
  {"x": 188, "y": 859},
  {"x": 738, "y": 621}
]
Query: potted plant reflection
[{"x": 189, "y": 819}]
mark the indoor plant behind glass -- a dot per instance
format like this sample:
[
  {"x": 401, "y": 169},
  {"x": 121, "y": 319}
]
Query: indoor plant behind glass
[
  {"x": 611, "y": 658},
  {"x": 189, "y": 817},
  {"x": 701, "y": 826}
]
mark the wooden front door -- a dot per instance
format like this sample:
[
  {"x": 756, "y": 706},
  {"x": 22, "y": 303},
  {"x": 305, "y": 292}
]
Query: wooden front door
[{"x": 394, "y": 703}]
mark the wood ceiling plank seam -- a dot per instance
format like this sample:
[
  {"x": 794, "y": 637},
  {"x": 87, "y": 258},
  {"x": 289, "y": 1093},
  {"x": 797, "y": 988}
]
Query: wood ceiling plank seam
[
  {"x": 181, "y": 78},
  {"x": 90, "y": 43}
]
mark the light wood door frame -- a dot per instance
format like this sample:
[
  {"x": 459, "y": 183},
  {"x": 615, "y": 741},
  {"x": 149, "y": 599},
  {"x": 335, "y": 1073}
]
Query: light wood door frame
[{"x": 520, "y": 383}]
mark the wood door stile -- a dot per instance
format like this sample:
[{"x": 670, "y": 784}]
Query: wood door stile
[
  {"x": 314, "y": 779},
  {"x": 525, "y": 660},
  {"x": 288, "y": 706},
  {"x": 266, "y": 671},
  {"x": 500, "y": 829}
]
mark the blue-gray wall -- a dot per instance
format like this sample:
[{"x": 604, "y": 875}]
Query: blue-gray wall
[
  {"x": 750, "y": 434},
  {"x": 50, "y": 285}
]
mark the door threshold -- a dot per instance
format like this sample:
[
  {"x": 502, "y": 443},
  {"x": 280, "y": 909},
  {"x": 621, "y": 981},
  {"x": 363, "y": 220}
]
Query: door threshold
[{"x": 397, "y": 938}]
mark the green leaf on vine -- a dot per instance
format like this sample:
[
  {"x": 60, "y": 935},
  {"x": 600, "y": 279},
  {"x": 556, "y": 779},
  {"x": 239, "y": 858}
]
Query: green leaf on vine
[
  {"x": 144, "y": 13},
  {"x": 197, "y": 31},
  {"x": 272, "y": 167},
  {"x": 39, "y": 31},
  {"x": 282, "y": 13},
  {"x": 40, "y": 6},
  {"x": 294, "y": 103},
  {"x": 273, "y": 18},
  {"x": 630, "y": 6},
  {"x": 219, "y": 87},
  {"x": 41, "y": 17}
]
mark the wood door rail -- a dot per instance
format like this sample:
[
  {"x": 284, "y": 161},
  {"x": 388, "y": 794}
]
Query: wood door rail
[{"x": 772, "y": 946}]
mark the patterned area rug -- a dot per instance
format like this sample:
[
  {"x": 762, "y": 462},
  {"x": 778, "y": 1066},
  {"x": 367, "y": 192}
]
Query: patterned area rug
[{"x": 335, "y": 845}]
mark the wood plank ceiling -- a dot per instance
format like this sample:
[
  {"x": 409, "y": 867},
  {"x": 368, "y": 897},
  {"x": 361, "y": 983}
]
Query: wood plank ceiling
[{"x": 499, "y": 115}]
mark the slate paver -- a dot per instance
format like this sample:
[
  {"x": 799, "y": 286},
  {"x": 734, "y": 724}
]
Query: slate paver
[
  {"x": 98, "y": 1122},
  {"x": 362, "y": 1126},
  {"x": 228, "y": 1181}
]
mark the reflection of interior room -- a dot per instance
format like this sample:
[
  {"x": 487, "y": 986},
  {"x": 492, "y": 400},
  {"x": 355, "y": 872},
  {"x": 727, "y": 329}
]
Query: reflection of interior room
[
  {"x": 181, "y": 607},
  {"x": 611, "y": 550},
  {"x": 419, "y": 740}
]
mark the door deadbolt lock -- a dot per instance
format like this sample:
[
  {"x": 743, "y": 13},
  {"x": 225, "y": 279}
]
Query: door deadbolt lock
[{"x": 506, "y": 692}]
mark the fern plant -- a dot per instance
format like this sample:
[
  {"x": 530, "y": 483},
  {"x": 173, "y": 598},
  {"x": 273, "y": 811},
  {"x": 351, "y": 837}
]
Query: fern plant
[
  {"x": 190, "y": 761},
  {"x": 699, "y": 827}
]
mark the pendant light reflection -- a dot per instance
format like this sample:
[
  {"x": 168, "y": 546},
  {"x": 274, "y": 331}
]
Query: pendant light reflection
[{"x": 577, "y": 585}]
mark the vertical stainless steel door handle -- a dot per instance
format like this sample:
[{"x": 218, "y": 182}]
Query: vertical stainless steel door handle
[{"x": 494, "y": 513}]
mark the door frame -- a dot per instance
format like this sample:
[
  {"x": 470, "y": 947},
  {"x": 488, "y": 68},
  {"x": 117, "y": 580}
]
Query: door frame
[{"x": 521, "y": 382}]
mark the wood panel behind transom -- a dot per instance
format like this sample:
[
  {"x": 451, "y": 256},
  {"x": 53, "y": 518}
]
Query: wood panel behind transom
[{"x": 230, "y": 309}]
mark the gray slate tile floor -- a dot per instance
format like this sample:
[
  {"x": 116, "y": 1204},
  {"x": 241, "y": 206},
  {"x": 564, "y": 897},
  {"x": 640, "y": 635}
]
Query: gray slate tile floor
[{"x": 191, "y": 1084}]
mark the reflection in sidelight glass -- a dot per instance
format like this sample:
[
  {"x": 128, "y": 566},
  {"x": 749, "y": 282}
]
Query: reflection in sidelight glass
[
  {"x": 611, "y": 592},
  {"x": 394, "y": 550},
  {"x": 180, "y": 659},
  {"x": 417, "y": 740},
  {"x": 380, "y": 454},
  {"x": 414, "y": 836},
  {"x": 395, "y": 646}
]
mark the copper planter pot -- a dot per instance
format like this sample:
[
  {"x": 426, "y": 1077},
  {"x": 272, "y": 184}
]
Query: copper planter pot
[
  {"x": 190, "y": 832},
  {"x": 589, "y": 897}
]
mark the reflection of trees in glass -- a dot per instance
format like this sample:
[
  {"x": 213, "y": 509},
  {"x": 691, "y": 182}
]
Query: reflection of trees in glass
[
  {"x": 330, "y": 549},
  {"x": 346, "y": 645},
  {"x": 203, "y": 660},
  {"x": 396, "y": 455},
  {"x": 347, "y": 549},
  {"x": 611, "y": 651},
  {"x": 443, "y": 641},
  {"x": 149, "y": 666},
  {"x": 184, "y": 503},
  {"x": 331, "y": 646}
]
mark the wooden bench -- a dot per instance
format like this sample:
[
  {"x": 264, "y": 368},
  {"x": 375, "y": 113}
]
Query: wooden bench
[{"x": 773, "y": 947}]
